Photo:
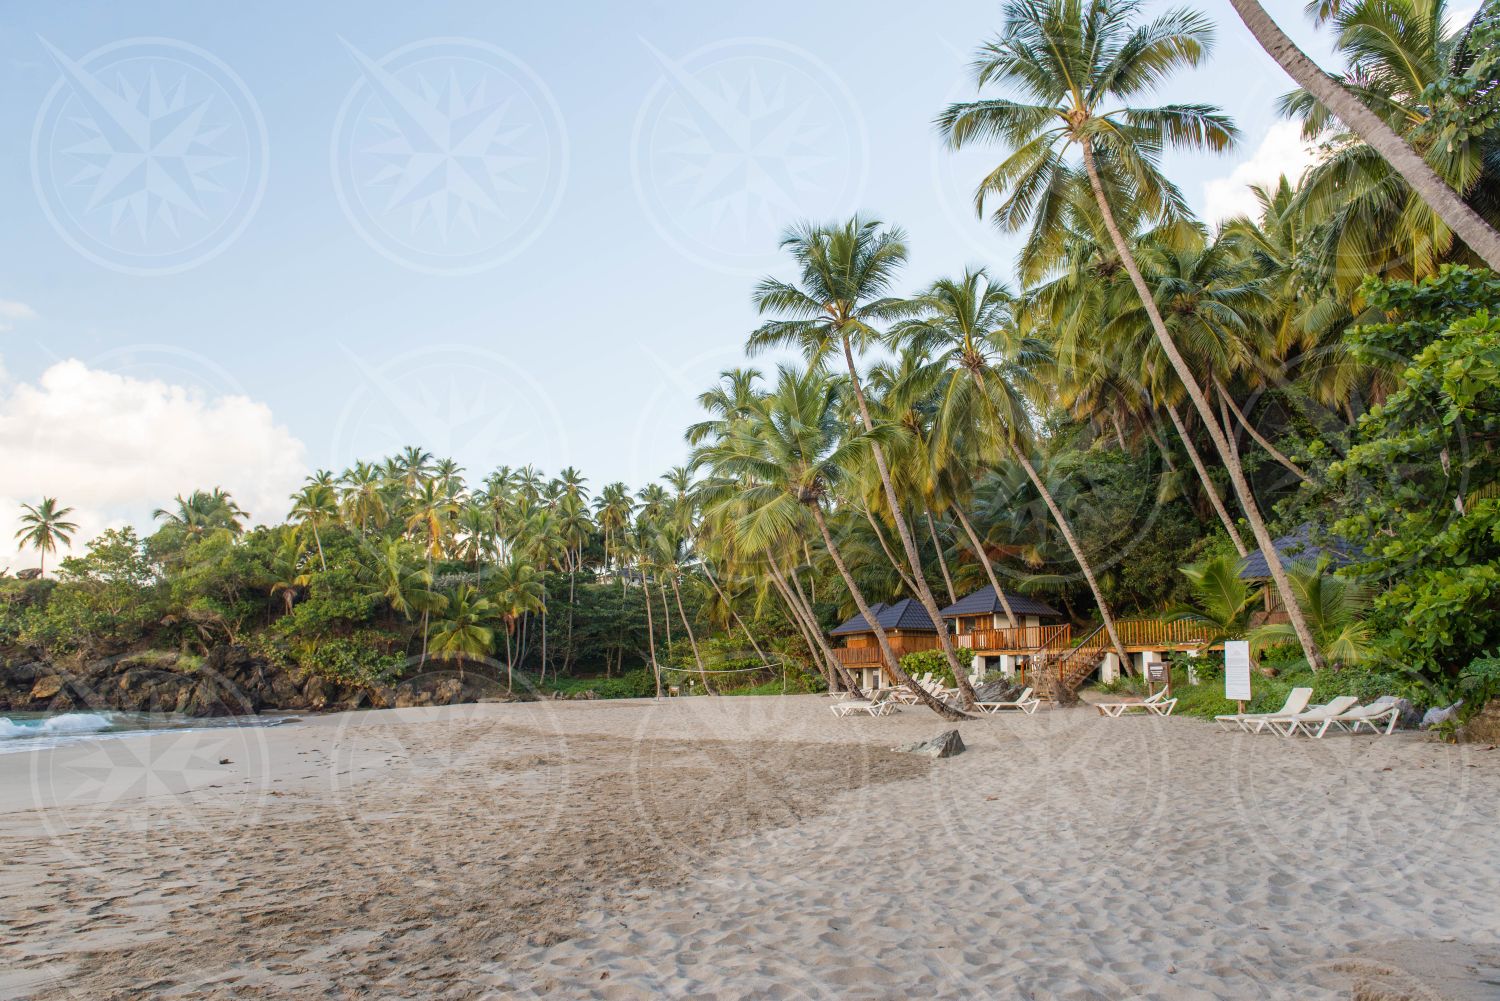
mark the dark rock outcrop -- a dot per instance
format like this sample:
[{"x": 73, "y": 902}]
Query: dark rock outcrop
[{"x": 944, "y": 745}]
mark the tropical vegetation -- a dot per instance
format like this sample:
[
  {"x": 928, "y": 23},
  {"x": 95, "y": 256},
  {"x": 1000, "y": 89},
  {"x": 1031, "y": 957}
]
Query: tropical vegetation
[{"x": 1113, "y": 424}]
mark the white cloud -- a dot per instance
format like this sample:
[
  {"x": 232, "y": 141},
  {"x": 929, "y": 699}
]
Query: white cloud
[
  {"x": 11, "y": 310},
  {"x": 115, "y": 448},
  {"x": 1281, "y": 151}
]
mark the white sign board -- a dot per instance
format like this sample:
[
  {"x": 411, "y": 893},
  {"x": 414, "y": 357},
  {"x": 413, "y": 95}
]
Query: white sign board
[{"x": 1237, "y": 670}]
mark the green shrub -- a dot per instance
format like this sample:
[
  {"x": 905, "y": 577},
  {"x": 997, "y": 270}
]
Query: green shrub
[{"x": 919, "y": 663}]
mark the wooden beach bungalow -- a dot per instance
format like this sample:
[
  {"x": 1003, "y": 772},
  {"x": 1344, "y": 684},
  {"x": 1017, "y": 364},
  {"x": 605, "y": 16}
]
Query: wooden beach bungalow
[
  {"x": 978, "y": 622},
  {"x": 906, "y": 624},
  {"x": 1296, "y": 549}
]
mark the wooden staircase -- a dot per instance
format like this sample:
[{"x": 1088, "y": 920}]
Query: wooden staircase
[{"x": 1057, "y": 672}]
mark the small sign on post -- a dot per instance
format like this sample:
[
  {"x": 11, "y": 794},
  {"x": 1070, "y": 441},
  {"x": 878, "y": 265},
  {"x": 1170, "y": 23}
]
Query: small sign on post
[
  {"x": 1157, "y": 673},
  {"x": 1237, "y": 672}
]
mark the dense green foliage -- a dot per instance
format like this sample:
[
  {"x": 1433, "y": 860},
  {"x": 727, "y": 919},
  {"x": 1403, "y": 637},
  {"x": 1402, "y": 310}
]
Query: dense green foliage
[{"x": 1154, "y": 400}]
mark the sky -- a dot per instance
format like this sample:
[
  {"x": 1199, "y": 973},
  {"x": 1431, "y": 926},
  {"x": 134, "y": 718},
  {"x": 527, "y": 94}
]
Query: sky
[{"x": 244, "y": 242}]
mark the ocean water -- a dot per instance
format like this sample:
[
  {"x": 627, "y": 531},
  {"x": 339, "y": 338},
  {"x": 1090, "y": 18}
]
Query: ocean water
[{"x": 35, "y": 731}]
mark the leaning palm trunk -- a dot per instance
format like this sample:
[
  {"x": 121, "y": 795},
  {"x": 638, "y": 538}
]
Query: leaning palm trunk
[
  {"x": 893, "y": 663},
  {"x": 1208, "y": 485},
  {"x": 793, "y": 587},
  {"x": 692, "y": 640},
  {"x": 924, "y": 593},
  {"x": 818, "y": 647},
  {"x": 651, "y": 634},
  {"x": 984, "y": 561},
  {"x": 735, "y": 615},
  {"x": 1260, "y": 439},
  {"x": 1066, "y": 528},
  {"x": 899, "y": 567},
  {"x": 1200, "y": 401},
  {"x": 942, "y": 560},
  {"x": 1449, "y": 205}
]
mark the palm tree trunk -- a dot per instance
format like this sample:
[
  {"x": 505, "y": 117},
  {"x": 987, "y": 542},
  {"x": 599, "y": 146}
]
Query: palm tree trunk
[
  {"x": 666, "y": 615},
  {"x": 809, "y": 621},
  {"x": 826, "y": 666},
  {"x": 893, "y": 663},
  {"x": 321, "y": 562},
  {"x": 736, "y": 615},
  {"x": 1208, "y": 485},
  {"x": 984, "y": 561},
  {"x": 423, "y": 661},
  {"x": 651, "y": 634},
  {"x": 911, "y": 585},
  {"x": 1449, "y": 205},
  {"x": 924, "y": 593},
  {"x": 1244, "y": 422},
  {"x": 692, "y": 640},
  {"x": 1161, "y": 445},
  {"x": 1195, "y": 393},
  {"x": 1066, "y": 529},
  {"x": 942, "y": 560}
]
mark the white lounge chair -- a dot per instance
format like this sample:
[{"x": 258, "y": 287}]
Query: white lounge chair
[
  {"x": 1025, "y": 702},
  {"x": 1371, "y": 716},
  {"x": 1157, "y": 705},
  {"x": 1296, "y": 702},
  {"x": 880, "y": 703},
  {"x": 1288, "y": 725}
]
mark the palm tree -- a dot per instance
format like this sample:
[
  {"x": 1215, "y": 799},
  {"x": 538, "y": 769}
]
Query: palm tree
[
  {"x": 431, "y": 517},
  {"x": 1076, "y": 60},
  {"x": 516, "y": 591},
  {"x": 313, "y": 506},
  {"x": 787, "y": 459},
  {"x": 362, "y": 505},
  {"x": 44, "y": 526},
  {"x": 461, "y": 633},
  {"x": 404, "y": 584},
  {"x": 846, "y": 274},
  {"x": 1336, "y": 607},
  {"x": 967, "y": 324},
  {"x": 1222, "y": 600},
  {"x": 288, "y": 578},
  {"x": 1345, "y": 105},
  {"x": 204, "y": 511}
]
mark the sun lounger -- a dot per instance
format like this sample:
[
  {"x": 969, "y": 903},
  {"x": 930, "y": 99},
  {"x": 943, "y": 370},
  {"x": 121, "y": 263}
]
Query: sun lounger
[
  {"x": 1288, "y": 725},
  {"x": 1024, "y": 702},
  {"x": 879, "y": 704},
  {"x": 1296, "y": 702},
  {"x": 1157, "y": 705},
  {"x": 1359, "y": 716}
]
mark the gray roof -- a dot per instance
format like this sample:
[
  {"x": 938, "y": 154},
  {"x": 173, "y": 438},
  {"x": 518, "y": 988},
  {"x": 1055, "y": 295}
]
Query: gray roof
[
  {"x": 904, "y": 614},
  {"x": 1299, "y": 548},
  {"x": 984, "y": 602}
]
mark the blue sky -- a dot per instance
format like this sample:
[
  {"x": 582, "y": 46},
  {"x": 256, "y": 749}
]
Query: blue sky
[{"x": 307, "y": 282}]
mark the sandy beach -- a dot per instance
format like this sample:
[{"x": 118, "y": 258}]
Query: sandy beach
[{"x": 744, "y": 848}]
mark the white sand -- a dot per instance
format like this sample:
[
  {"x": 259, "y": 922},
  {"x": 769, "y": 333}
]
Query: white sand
[{"x": 738, "y": 848}]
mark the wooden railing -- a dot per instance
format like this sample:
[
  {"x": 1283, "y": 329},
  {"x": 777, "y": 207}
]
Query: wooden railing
[
  {"x": 869, "y": 656},
  {"x": 1155, "y": 634},
  {"x": 1021, "y": 639}
]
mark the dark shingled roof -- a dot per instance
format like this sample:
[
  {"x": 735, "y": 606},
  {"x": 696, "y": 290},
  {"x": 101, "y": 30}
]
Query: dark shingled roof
[
  {"x": 1299, "y": 548},
  {"x": 904, "y": 614},
  {"x": 984, "y": 602}
]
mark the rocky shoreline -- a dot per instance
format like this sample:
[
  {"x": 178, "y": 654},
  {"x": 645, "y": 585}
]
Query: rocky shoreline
[{"x": 230, "y": 681}]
